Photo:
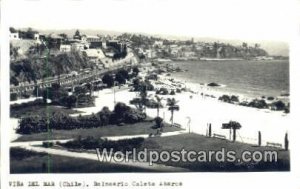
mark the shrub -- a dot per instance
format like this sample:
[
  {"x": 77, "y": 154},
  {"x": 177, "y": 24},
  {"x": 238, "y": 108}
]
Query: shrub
[
  {"x": 158, "y": 122},
  {"x": 234, "y": 98},
  {"x": 163, "y": 91},
  {"x": 225, "y": 98},
  {"x": 25, "y": 95},
  {"x": 80, "y": 90},
  {"x": 172, "y": 92},
  {"x": 134, "y": 116},
  {"x": 69, "y": 101},
  {"x": 261, "y": 104},
  {"x": 47, "y": 144},
  {"x": 37, "y": 102},
  {"x": 279, "y": 105},
  {"x": 13, "y": 96},
  {"x": 93, "y": 143},
  {"x": 55, "y": 93},
  {"x": 84, "y": 100},
  {"x": 62, "y": 121},
  {"x": 120, "y": 78}
]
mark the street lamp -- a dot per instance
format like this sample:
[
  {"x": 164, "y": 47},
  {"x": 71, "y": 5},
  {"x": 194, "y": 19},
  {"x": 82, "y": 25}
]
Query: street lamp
[{"x": 189, "y": 123}]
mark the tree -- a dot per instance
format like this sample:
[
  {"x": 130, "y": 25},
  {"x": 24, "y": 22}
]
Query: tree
[
  {"x": 234, "y": 126},
  {"x": 77, "y": 32},
  {"x": 120, "y": 78},
  {"x": 135, "y": 71},
  {"x": 124, "y": 73},
  {"x": 259, "y": 138},
  {"x": 286, "y": 142},
  {"x": 121, "y": 108},
  {"x": 245, "y": 45},
  {"x": 63, "y": 35},
  {"x": 12, "y": 30},
  {"x": 172, "y": 107},
  {"x": 104, "y": 115},
  {"x": 30, "y": 33},
  {"x": 158, "y": 122},
  {"x": 108, "y": 80},
  {"x": 143, "y": 97},
  {"x": 70, "y": 101}
]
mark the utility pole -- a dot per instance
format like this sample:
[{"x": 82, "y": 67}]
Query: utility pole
[{"x": 114, "y": 93}]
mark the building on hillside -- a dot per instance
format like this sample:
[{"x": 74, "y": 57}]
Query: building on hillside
[
  {"x": 78, "y": 46},
  {"x": 93, "y": 41},
  {"x": 95, "y": 45},
  {"x": 54, "y": 41},
  {"x": 36, "y": 36},
  {"x": 91, "y": 38},
  {"x": 115, "y": 44},
  {"x": 94, "y": 53},
  {"x": 65, "y": 48},
  {"x": 149, "y": 53},
  {"x": 158, "y": 44}
]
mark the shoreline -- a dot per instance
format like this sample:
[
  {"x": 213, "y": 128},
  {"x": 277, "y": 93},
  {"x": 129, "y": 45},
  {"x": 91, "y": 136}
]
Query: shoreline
[{"x": 201, "y": 110}]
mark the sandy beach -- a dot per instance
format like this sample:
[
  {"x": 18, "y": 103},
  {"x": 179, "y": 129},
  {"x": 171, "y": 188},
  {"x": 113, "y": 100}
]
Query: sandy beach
[
  {"x": 200, "y": 110},
  {"x": 203, "y": 110}
]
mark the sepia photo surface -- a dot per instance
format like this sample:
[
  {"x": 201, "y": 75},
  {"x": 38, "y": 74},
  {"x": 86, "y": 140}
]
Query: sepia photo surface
[{"x": 146, "y": 86}]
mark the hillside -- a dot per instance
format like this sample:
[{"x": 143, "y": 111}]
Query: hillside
[{"x": 30, "y": 69}]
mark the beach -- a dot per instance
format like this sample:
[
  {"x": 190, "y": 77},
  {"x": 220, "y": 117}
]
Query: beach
[
  {"x": 202, "y": 110},
  {"x": 198, "y": 107}
]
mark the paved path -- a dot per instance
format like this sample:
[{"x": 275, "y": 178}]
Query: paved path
[{"x": 36, "y": 146}]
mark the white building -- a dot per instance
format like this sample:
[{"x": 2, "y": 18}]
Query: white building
[
  {"x": 158, "y": 43},
  {"x": 36, "y": 37},
  {"x": 65, "y": 48},
  {"x": 78, "y": 47},
  {"x": 94, "y": 53}
]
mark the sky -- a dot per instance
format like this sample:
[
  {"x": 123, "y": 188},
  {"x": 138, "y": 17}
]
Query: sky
[{"x": 228, "y": 19}]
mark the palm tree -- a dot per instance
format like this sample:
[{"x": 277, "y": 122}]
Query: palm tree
[
  {"x": 143, "y": 97},
  {"x": 172, "y": 107},
  {"x": 234, "y": 126}
]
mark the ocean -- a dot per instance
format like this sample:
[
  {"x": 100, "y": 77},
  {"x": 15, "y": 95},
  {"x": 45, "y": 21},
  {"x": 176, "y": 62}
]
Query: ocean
[{"x": 248, "y": 78}]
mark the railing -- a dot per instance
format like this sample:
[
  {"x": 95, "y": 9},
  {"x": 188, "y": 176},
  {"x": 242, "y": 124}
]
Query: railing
[
  {"x": 68, "y": 80},
  {"x": 273, "y": 144},
  {"x": 215, "y": 135}
]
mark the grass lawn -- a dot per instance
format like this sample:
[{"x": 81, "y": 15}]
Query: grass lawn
[
  {"x": 201, "y": 143},
  {"x": 45, "y": 163},
  {"x": 40, "y": 110},
  {"x": 110, "y": 130}
]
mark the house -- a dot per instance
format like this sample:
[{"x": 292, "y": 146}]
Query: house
[
  {"x": 94, "y": 53},
  {"x": 93, "y": 41},
  {"x": 91, "y": 38},
  {"x": 120, "y": 47},
  {"x": 36, "y": 36},
  {"x": 158, "y": 44},
  {"x": 65, "y": 48},
  {"x": 55, "y": 41},
  {"x": 14, "y": 36},
  {"x": 78, "y": 46},
  {"x": 95, "y": 45},
  {"x": 95, "y": 56}
]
